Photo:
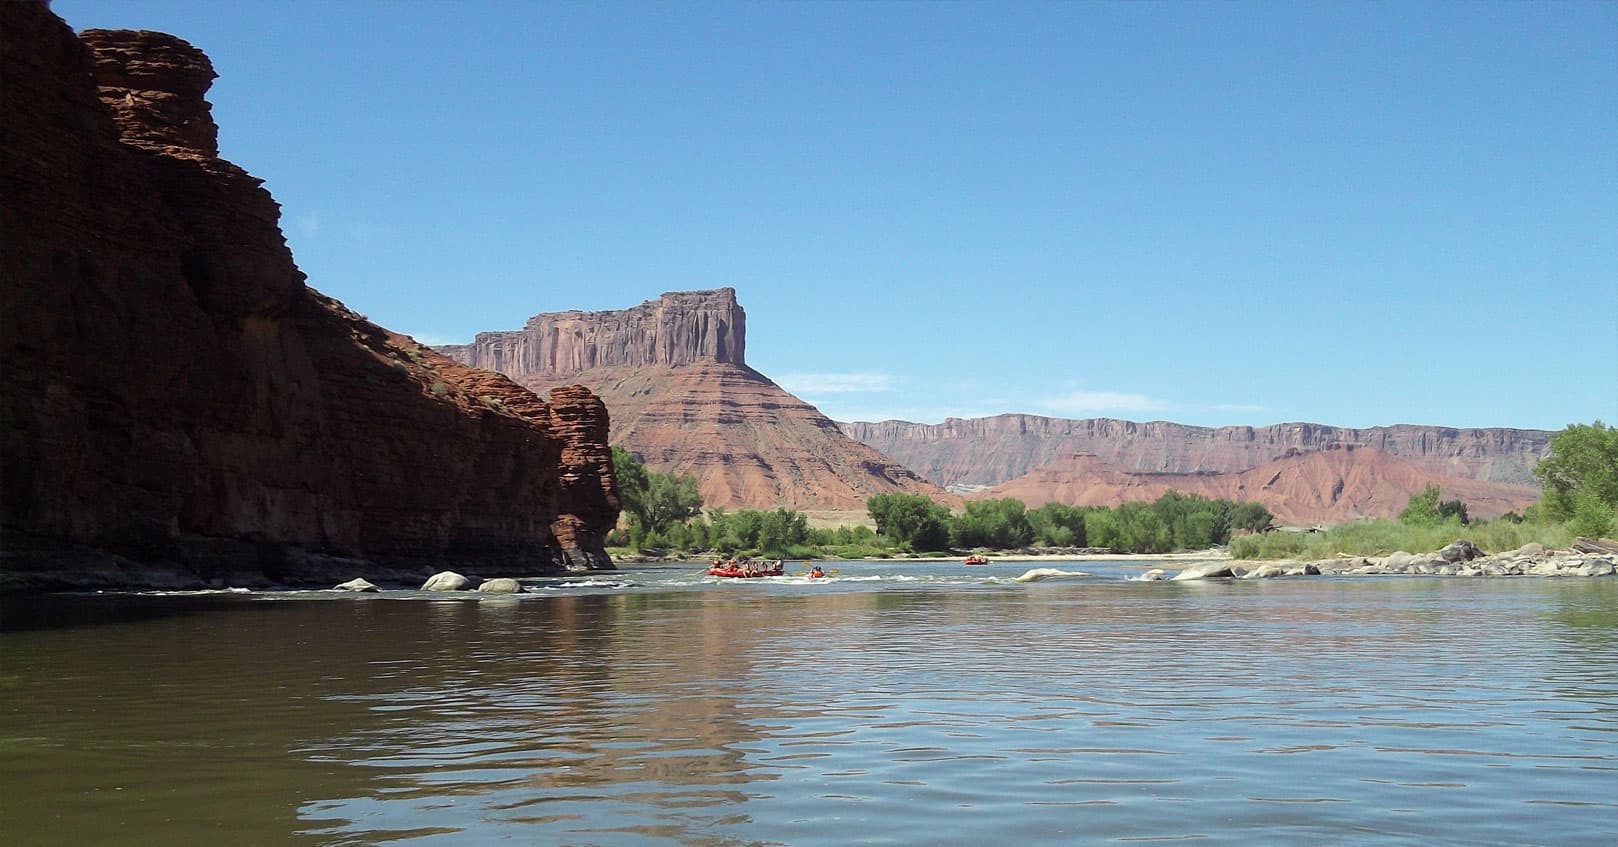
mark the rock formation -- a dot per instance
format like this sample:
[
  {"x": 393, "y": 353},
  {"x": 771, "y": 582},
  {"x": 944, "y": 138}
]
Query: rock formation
[
  {"x": 683, "y": 399},
  {"x": 1333, "y": 485},
  {"x": 679, "y": 328},
  {"x": 989, "y": 451},
  {"x": 179, "y": 408}
]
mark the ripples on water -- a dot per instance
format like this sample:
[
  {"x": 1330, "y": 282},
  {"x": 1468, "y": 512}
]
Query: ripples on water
[{"x": 891, "y": 705}]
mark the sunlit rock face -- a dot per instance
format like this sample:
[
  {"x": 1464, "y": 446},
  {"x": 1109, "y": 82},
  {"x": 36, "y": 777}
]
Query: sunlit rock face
[
  {"x": 673, "y": 372},
  {"x": 1331, "y": 485}
]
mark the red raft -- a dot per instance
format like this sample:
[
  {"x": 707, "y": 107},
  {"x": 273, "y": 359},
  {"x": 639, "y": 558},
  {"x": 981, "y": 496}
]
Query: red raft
[{"x": 739, "y": 572}]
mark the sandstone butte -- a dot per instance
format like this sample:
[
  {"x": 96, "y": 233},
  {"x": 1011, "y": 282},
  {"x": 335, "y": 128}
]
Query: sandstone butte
[
  {"x": 674, "y": 372},
  {"x": 1302, "y": 472},
  {"x": 179, "y": 408}
]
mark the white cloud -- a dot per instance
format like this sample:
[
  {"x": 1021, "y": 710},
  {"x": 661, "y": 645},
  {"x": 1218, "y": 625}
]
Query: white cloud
[
  {"x": 834, "y": 383},
  {"x": 1093, "y": 402}
]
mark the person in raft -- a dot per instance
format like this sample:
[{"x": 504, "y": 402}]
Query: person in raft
[{"x": 816, "y": 572}]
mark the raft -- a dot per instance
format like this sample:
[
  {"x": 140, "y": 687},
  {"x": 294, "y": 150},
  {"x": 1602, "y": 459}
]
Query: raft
[{"x": 738, "y": 573}]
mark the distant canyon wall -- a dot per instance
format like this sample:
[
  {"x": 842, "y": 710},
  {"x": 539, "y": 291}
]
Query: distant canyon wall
[
  {"x": 179, "y": 408},
  {"x": 989, "y": 451},
  {"x": 678, "y": 328}
]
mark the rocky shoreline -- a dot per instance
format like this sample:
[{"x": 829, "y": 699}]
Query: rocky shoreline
[{"x": 1587, "y": 557}]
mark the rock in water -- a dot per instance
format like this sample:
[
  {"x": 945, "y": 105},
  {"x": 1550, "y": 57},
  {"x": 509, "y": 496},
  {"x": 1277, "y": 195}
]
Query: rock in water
[
  {"x": 356, "y": 584},
  {"x": 1207, "y": 570},
  {"x": 501, "y": 585},
  {"x": 1038, "y": 574},
  {"x": 445, "y": 581}
]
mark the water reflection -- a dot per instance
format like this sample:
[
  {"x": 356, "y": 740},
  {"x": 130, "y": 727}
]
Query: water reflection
[{"x": 1404, "y": 711}]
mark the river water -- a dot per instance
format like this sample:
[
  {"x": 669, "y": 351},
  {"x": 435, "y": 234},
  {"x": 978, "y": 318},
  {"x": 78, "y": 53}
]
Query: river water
[{"x": 895, "y": 703}]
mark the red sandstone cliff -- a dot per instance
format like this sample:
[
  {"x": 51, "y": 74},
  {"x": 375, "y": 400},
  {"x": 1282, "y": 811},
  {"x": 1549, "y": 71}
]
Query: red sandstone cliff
[
  {"x": 179, "y": 407},
  {"x": 674, "y": 373},
  {"x": 988, "y": 451},
  {"x": 1332, "y": 485}
]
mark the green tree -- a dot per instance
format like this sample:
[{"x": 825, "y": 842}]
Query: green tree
[
  {"x": 1422, "y": 510},
  {"x": 654, "y": 501},
  {"x": 910, "y": 520},
  {"x": 1001, "y": 524},
  {"x": 1582, "y": 463},
  {"x": 1058, "y": 525},
  {"x": 1251, "y": 516},
  {"x": 1591, "y": 517},
  {"x": 632, "y": 482},
  {"x": 669, "y": 500}
]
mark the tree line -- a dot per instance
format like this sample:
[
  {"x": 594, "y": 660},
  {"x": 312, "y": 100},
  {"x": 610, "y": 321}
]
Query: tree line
[{"x": 665, "y": 512}]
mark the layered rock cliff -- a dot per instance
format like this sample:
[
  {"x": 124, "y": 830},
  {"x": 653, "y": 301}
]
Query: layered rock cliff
[
  {"x": 179, "y": 408},
  {"x": 988, "y": 451},
  {"x": 679, "y": 328},
  {"x": 1332, "y": 485},
  {"x": 674, "y": 373}
]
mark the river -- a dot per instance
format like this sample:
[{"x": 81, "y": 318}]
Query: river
[{"x": 907, "y": 703}]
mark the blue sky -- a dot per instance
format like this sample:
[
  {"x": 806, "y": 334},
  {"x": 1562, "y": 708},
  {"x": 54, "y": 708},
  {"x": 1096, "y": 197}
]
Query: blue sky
[{"x": 1213, "y": 213}]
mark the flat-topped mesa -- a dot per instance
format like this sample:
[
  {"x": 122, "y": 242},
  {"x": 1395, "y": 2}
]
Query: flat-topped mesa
[{"x": 678, "y": 328}]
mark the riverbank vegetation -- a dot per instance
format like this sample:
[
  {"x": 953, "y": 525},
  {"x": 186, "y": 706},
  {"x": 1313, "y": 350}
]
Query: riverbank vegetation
[
  {"x": 1580, "y": 475},
  {"x": 663, "y": 513}
]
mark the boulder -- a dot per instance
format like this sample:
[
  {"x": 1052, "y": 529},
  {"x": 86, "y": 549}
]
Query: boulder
[
  {"x": 1206, "y": 570},
  {"x": 1266, "y": 571},
  {"x": 1460, "y": 551},
  {"x": 1037, "y": 574},
  {"x": 501, "y": 585},
  {"x": 1529, "y": 550},
  {"x": 1153, "y": 575},
  {"x": 445, "y": 581},
  {"x": 356, "y": 584}
]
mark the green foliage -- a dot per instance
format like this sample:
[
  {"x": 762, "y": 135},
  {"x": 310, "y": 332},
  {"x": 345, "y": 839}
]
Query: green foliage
[
  {"x": 439, "y": 389},
  {"x": 1001, "y": 524},
  {"x": 669, "y": 500},
  {"x": 1582, "y": 463},
  {"x": 1381, "y": 537},
  {"x": 1591, "y": 517},
  {"x": 1251, "y": 516},
  {"x": 1174, "y": 521},
  {"x": 1058, "y": 525},
  {"x": 911, "y": 521},
  {"x": 655, "y": 502},
  {"x": 1422, "y": 509}
]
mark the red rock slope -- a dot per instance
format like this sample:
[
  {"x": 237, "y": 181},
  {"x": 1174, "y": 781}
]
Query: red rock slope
[
  {"x": 1333, "y": 485},
  {"x": 178, "y": 407},
  {"x": 673, "y": 371}
]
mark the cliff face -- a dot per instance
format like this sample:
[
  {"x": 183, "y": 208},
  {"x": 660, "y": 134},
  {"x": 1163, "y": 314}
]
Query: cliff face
[
  {"x": 679, "y": 328},
  {"x": 988, "y": 451},
  {"x": 673, "y": 371},
  {"x": 179, "y": 408},
  {"x": 1332, "y": 485}
]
